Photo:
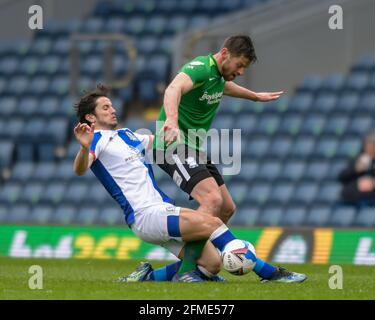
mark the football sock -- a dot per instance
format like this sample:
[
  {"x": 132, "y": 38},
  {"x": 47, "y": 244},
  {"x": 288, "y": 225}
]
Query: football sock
[
  {"x": 264, "y": 269},
  {"x": 221, "y": 237},
  {"x": 193, "y": 250},
  {"x": 165, "y": 273}
]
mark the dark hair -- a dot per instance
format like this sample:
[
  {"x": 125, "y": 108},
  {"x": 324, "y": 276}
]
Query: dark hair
[
  {"x": 87, "y": 104},
  {"x": 241, "y": 45}
]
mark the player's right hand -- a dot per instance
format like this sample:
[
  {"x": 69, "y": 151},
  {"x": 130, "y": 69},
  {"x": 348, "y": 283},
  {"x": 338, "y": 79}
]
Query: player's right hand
[
  {"x": 170, "y": 131},
  {"x": 84, "y": 134}
]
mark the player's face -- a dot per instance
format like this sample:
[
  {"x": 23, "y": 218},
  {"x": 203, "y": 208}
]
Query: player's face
[
  {"x": 105, "y": 114},
  {"x": 234, "y": 66}
]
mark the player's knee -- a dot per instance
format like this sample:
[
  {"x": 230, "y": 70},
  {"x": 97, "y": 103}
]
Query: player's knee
[{"x": 214, "y": 201}]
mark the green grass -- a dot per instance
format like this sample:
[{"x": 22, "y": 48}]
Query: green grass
[{"x": 94, "y": 279}]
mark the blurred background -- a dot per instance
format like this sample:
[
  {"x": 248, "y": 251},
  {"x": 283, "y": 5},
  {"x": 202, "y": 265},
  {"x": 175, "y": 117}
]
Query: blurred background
[{"x": 293, "y": 149}]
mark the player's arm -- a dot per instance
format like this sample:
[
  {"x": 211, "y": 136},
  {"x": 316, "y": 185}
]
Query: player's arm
[
  {"x": 234, "y": 90},
  {"x": 180, "y": 85},
  {"x": 84, "y": 135}
]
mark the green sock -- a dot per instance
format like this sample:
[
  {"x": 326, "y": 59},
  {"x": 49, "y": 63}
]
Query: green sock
[{"x": 193, "y": 250}]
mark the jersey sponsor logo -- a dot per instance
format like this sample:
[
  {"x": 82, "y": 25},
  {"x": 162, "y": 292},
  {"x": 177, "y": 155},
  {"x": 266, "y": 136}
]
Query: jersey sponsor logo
[
  {"x": 196, "y": 63},
  {"x": 191, "y": 162},
  {"x": 211, "y": 98}
]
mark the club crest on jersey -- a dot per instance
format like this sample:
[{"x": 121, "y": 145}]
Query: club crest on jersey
[
  {"x": 191, "y": 162},
  {"x": 131, "y": 136}
]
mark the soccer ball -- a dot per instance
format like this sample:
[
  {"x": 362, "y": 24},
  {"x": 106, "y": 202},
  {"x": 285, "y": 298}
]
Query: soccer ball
[{"x": 238, "y": 257}]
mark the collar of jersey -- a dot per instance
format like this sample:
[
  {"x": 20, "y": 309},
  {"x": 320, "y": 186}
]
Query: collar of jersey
[{"x": 214, "y": 63}]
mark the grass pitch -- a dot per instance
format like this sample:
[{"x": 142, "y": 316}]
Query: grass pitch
[{"x": 95, "y": 279}]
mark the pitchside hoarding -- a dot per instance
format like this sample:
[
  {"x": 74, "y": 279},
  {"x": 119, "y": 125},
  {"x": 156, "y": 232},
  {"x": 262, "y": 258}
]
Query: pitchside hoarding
[{"x": 279, "y": 245}]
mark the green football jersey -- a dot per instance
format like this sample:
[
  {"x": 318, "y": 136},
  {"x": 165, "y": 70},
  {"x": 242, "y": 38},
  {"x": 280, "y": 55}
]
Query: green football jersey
[{"x": 198, "y": 107}]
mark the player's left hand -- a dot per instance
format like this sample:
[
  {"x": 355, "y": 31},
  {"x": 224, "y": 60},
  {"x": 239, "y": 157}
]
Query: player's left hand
[{"x": 268, "y": 96}]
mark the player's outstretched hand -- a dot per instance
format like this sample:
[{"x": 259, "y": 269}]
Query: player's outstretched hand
[
  {"x": 84, "y": 134},
  {"x": 170, "y": 132},
  {"x": 268, "y": 96}
]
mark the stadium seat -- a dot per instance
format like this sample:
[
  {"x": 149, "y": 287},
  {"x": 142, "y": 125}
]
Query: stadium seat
[
  {"x": 365, "y": 218},
  {"x": 257, "y": 146},
  {"x": 8, "y": 106},
  {"x": 305, "y": 192},
  {"x": 291, "y": 124},
  {"x": 44, "y": 171},
  {"x": 313, "y": 124},
  {"x": 64, "y": 214},
  {"x": 333, "y": 82},
  {"x": 41, "y": 214},
  {"x": 199, "y": 21},
  {"x": 343, "y": 216},
  {"x": 318, "y": 215},
  {"x": 258, "y": 193},
  {"x": 267, "y": 124},
  {"x": 86, "y": 215},
  {"x": 92, "y": 25},
  {"x": 365, "y": 63},
  {"x": 6, "y": 154},
  {"x": 3, "y": 212},
  {"x": 301, "y": 102},
  {"x": 50, "y": 65},
  {"x": 246, "y": 123},
  {"x": 294, "y": 216},
  {"x": 17, "y": 85},
  {"x": 8, "y": 66},
  {"x": 238, "y": 192},
  {"x": 270, "y": 216},
  {"x": 27, "y": 106},
  {"x": 176, "y": 24},
  {"x": 329, "y": 192},
  {"x": 349, "y": 147},
  {"x": 54, "y": 193},
  {"x": 269, "y": 170},
  {"x": 38, "y": 86},
  {"x": 367, "y": 102},
  {"x": 325, "y": 103},
  {"x": 33, "y": 129},
  {"x": 357, "y": 81},
  {"x": 29, "y": 65},
  {"x": 25, "y": 152},
  {"x": 98, "y": 195},
  {"x": 76, "y": 192},
  {"x": 32, "y": 192},
  {"x": 22, "y": 171},
  {"x": 282, "y": 192},
  {"x": 347, "y": 102},
  {"x": 303, "y": 146},
  {"x": 360, "y": 125},
  {"x": 249, "y": 170},
  {"x": 317, "y": 170},
  {"x": 245, "y": 215},
  {"x": 336, "y": 125},
  {"x": 293, "y": 170},
  {"x": 326, "y": 147},
  {"x": 310, "y": 83},
  {"x": 19, "y": 213},
  {"x": 111, "y": 216},
  {"x": 41, "y": 46},
  {"x": 156, "y": 25},
  {"x": 10, "y": 192},
  {"x": 135, "y": 25}
]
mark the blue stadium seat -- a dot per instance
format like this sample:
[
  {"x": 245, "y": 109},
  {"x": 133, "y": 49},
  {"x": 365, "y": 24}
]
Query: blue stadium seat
[
  {"x": 6, "y": 154},
  {"x": 347, "y": 102},
  {"x": 17, "y": 85},
  {"x": 111, "y": 216},
  {"x": 33, "y": 129},
  {"x": 270, "y": 216},
  {"x": 267, "y": 124},
  {"x": 245, "y": 215},
  {"x": 360, "y": 125},
  {"x": 365, "y": 63},
  {"x": 294, "y": 216},
  {"x": 317, "y": 170},
  {"x": 50, "y": 106},
  {"x": 291, "y": 124},
  {"x": 92, "y": 25},
  {"x": 165, "y": 6},
  {"x": 115, "y": 24},
  {"x": 19, "y": 213},
  {"x": 25, "y": 152},
  {"x": 29, "y": 65},
  {"x": 301, "y": 102},
  {"x": 8, "y": 65},
  {"x": 349, "y": 146},
  {"x": 148, "y": 90},
  {"x": 293, "y": 170},
  {"x": 335, "y": 168},
  {"x": 61, "y": 46},
  {"x": 166, "y": 45},
  {"x": 313, "y": 124},
  {"x": 158, "y": 64},
  {"x": 41, "y": 214},
  {"x": 64, "y": 171},
  {"x": 176, "y": 24},
  {"x": 44, "y": 171},
  {"x": 249, "y": 169},
  {"x": 22, "y": 171},
  {"x": 199, "y": 21},
  {"x": 64, "y": 214},
  {"x": 4, "y": 210},
  {"x": 258, "y": 193},
  {"x": 325, "y": 102},
  {"x": 32, "y": 192},
  {"x": 54, "y": 193},
  {"x": 333, "y": 82},
  {"x": 367, "y": 102},
  {"x": 76, "y": 192},
  {"x": 187, "y": 7},
  {"x": 59, "y": 86},
  {"x": 8, "y": 106},
  {"x": 10, "y": 192},
  {"x": 50, "y": 65},
  {"x": 41, "y": 46},
  {"x": 371, "y": 83},
  {"x": 156, "y": 25},
  {"x": 97, "y": 194},
  {"x": 303, "y": 146},
  {"x": 246, "y": 122},
  {"x": 135, "y": 25},
  {"x": 336, "y": 125},
  {"x": 310, "y": 83},
  {"x": 46, "y": 151},
  {"x": 223, "y": 121},
  {"x": 269, "y": 170},
  {"x": 56, "y": 130},
  {"x": 365, "y": 218},
  {"x": 238, "y": 192},
  {"x": 357, "y": 81},
  {"x": 92, "y": 65},
  {"x": 38, "y": 86},
  {"x": 305, "y": 192},
  {"x": 87, "y": 215},
  {"x": 257, "y": 146},
  {"x": 326, "y": 147},
  {"x": 329, "y": 192},
  {"x": 27, "y": 106},
  {"x": 318, "y": 215},
  {"x": 280, "y": 147},
  {"x": 282, "y": 192},
  {"x": 343, "y": 216}
]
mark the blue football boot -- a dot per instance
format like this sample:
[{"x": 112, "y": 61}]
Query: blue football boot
[
  {"x": 140, "y": 274},
  {"x": 285, "y": 276},
  {"x": 189, "y": 276}
]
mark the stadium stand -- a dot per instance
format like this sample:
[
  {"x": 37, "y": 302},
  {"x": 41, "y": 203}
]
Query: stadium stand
[{"x": 292, "y": 149}]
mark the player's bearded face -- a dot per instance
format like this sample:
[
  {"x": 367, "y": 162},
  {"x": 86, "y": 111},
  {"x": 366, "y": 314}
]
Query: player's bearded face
[
  {"x": 234, "y": 66},
  {"x": 105, "y": 114}
]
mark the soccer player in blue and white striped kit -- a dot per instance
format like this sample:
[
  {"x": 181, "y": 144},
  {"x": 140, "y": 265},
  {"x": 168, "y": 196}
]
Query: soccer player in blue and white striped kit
[{"x": 117, "y": 158}]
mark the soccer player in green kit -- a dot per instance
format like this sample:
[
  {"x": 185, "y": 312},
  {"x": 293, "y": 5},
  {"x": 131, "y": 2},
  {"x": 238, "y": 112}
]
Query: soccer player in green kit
[{"x": 191, "y": 102}]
